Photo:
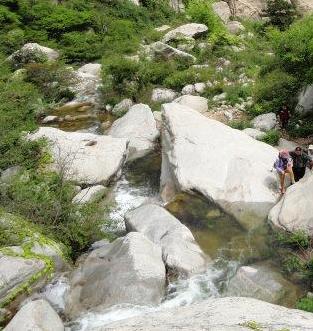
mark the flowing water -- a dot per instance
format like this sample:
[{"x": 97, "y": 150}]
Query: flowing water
[{"x": 219, "y": 236}]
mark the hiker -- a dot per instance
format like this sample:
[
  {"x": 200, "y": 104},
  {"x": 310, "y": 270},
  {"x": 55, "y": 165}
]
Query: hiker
[
  {"x": 301, "y": 160},
  {"x": 283, "y": 166},
  {"x": 284, "y": 116}
]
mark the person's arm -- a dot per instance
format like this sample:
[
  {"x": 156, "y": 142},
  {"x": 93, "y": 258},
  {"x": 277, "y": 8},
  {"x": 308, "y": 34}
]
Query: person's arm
[
  {"x": 278, "y": 166},
  {"x": 308, "y": 161}
]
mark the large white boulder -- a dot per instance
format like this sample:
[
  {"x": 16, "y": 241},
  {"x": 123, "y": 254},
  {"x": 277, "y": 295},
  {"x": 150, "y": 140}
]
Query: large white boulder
[
  {"x": 181, "y": 254},
  {"x": 163, "y": 95},
  {"x": 36, "y": 316},
  {"x": 294, "y": 211},
  {"x": 85, "y": 158},
  {"x": 139, "y": 126},
  {"x": 263, "y": 282},
  {"x": 223, "y": 164},
  {"x": 235, "y": 27},
  {"x": 86, "y": 84},
  {"x": 130, "y": 270},
  {"x": 222, "y": 314},
  {"x": 187, "y": 30},
  {"x": 49, "y": 53},
  {"x": 91, "y": 69},
  {"x": 195, "y": 102},
  {"x": 265, "y": 122},
  {"x": 16, "y": 271},
  {"x": 89, "y": 194},
  {"x": 304, "y": 6},
  {"x": 167, "y": 52},
  {"x": 122, "y": 107},
  {"x": 305, "y": 101},
  {"x": 222, "y": 10},
  {"x": 248, "y": 9}
]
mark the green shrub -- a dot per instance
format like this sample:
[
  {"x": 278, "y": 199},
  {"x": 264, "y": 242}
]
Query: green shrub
[
  {"x": 293, "y": 48},
  {"x": 299, "y": 239},
  {"x": 201, "y": 11},
  {"x": 271, "y": 137},
  {"x": 18, "y": 102},
  {"x": 237, "y": 93},
  {"x": 281, "y": 13},
  {"x": 301, "y": 127},
  {"x": 52, "y": 79},
  {"x": 305, "y": 304},
  {"x": 46, "y": 199},
  {"x": 13, "y": 40},
  {"x": 62, "y": 19},
  {"x": 240, "y": 125},
  {"x": 275, "y": 89}
]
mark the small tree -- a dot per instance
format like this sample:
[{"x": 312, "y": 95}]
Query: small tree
[{"x": 280, "y": 13}]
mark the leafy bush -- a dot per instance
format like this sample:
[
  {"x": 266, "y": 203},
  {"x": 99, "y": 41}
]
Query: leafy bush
[
  {"x": 201, "y": 11},
  {"x": 271, "y": 137},
  {"x": 281, "y": 13},
  {"x": 305, "y": 304},
  {"x": 46, "y": 199},
  {"x": 299, "y": 239},
  {"x": 275, "y": 89},
  {"x": 240, "y": 125},
  {"x": 237, "y": 93},
  {"x": 52, "y": 79},
  {"x": 293, "y": 49},
  {"x": 18, "y": 102}
]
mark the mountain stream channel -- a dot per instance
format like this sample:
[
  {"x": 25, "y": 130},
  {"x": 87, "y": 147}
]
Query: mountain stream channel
[{"x": 219, "y": 236}]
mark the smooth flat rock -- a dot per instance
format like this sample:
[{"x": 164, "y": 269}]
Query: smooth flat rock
[
  {"x": 194, "y": 102},
  {"x": 222, "y": 314},
  {"x": 86, "y": 158},
  {"x": 139, "y": 126},
  {"x": 167, "y": 52},
  {"x": 187, "y": 30},
  {"x": 224, "y": 165},
  {"x": 294, "y": 211},
  {"x": 261, "y": 281},
  {"x": 91, "y": 68},
  {"x": 181, "y": 254},
  {"x": 130, "y": 270},
  {"x": 36, "y": 316}
]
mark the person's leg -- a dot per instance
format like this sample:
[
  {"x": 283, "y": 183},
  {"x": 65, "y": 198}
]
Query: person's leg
[
  {"x": 282, "y": 182},
  {"x": 302, "y": 172},
  {"x": 291, "y": 174},
  {"x": 296, "y": 173}
]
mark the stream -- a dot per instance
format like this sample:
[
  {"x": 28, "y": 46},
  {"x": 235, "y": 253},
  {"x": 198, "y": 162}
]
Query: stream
[{"x": 229, "y": 245}]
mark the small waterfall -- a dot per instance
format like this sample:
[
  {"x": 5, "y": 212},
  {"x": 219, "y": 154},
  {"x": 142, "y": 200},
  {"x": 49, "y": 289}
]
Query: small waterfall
[{"x": 182, "y": 292}]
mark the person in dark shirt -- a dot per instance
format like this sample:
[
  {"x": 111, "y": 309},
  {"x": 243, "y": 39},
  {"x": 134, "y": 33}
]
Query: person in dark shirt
[
  {"x": 284, "y": 116},
  {"x": 301, "y": 160}
]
